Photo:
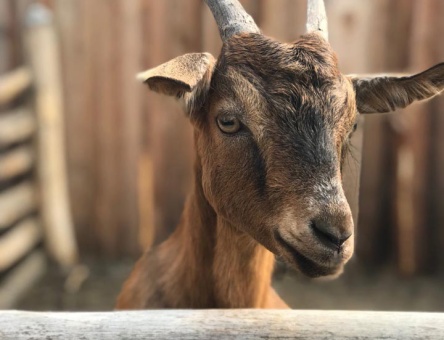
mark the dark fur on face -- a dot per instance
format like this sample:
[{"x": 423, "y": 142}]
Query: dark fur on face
[{"x": 281, "y": 171}]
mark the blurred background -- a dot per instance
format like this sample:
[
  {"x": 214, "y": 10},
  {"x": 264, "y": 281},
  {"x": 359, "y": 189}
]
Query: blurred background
[{"x": 94, "y": 168}]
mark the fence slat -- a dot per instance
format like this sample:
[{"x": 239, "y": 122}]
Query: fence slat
[
  {"x": 16, "y": 126},
  {"x": 13, "y": 84},
  {"x": 221, "y": 324},
  {"x": 16, "y": 163},
  {"x": 16, "y": 202},
  {"x": 17, "y": 242}
]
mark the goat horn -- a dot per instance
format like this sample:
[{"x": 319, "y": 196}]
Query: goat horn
[
  {"x": 317, "y": 18},
  {"x": 231, "y": 18}
]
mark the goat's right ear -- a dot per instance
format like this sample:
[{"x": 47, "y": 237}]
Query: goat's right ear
[
  {"x": 388, "y": 93},
  {"x": 186, "y": 77}
]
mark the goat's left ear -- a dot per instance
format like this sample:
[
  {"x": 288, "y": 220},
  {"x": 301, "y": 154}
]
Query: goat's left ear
[
  {"x": 186, "y": 77},
  {"x": 380, "y": 94}
]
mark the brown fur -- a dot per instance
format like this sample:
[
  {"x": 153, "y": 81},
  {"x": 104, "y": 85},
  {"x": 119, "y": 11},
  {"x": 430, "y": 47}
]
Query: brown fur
[{"x": 272, "y": 188}]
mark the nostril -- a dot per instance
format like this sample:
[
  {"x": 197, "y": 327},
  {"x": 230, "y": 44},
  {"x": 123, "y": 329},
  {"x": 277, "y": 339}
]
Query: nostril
[{"x": 322, "y": 231}]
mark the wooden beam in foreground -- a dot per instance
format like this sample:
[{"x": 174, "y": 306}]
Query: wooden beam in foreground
[{"x": 221, "y": 324}]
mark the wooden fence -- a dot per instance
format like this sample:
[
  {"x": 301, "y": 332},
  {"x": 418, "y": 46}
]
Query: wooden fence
[
  {"x": 130, "y": 151},
  {"x": 33, "y": 187},
  {"x": 221, "y": 324}
]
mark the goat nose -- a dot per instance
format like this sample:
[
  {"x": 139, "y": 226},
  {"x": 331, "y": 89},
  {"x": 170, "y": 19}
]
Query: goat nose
[{"x": 330, "y": 235}]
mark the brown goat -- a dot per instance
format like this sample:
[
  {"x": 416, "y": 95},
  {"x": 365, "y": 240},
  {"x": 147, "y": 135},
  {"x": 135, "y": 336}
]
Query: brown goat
[{"x": 271, "y": 123}]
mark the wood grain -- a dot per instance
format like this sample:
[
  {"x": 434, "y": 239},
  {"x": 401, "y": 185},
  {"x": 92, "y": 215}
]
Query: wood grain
[{"x": 221, "y": 324}]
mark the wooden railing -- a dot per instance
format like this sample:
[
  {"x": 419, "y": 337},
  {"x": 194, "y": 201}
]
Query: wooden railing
[
  {"x": 221, "y": 324},
  {"x": 20, "y": 228}
]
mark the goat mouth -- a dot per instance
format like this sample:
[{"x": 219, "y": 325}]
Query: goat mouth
[{"x": 305, "y": 265}]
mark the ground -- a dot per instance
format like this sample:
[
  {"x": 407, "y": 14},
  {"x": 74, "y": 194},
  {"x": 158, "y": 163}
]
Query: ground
[{"x": 356, "y": 289}]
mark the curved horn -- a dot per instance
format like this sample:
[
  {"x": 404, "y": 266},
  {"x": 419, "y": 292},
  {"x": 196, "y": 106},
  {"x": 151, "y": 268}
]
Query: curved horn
[
  {"x": 317, "y": 18},
  {"x": 231, "y": 18}
]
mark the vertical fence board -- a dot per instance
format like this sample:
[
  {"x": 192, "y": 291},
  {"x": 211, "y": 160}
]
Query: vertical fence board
[
  {"x": 424, "y": 52},
  {"x": 437, "y": 146},
  {"x": 75, "y": 20},
  {"x": 130, "y": 112}
]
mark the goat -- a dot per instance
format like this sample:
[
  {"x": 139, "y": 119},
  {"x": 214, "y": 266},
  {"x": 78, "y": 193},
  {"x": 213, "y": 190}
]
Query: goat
[{"x": 272, "y": 122}]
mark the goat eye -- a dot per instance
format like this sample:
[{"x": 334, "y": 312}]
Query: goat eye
[{"x": 228, "y": 124}]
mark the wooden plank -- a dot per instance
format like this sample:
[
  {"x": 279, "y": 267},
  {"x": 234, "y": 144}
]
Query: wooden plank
[
  {"x": 131, "y": 92},
  {"x": 18, "y": 241},
  {"x": 16, "y": 162},
  {"x": 16, "y": 126},
  {"x": 107, "y": 212},
  {"x": 437, "y": 151},
  {"x": 16, "y": 203},
  {"x": 221, "y": 324},
  {"x": 20, "y": 280},
  {"x": 76, "y": 20},
  {"x": 282, "y": 19},
  {"x": 13, "y": 84},
  {"x": 41, "y": 45},
  {"x": 413, "y": 224}
]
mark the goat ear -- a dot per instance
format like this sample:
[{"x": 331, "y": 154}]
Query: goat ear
[
  {"x": 380, "y": 94},
  {"x": 186, "y": 77}
]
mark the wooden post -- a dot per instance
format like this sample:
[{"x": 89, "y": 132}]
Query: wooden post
[
  {"x": 221, "y": 324},
  {"x": 40, "y": 41}
]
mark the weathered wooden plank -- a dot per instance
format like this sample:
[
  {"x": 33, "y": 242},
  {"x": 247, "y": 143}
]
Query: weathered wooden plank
[
  {"x": 413, "y": 225},
  {"x": 16, "y": 126},
  {"x": 19, "y": 280},
  {"x": 129, "y": 116},
  {"x": 16, "y": 162},
  {"x": 43, "y": 54},
  {"x": 13, "y": 84},
  {"x": 16, "y": 203},
  {"x": 221, "y": 324},
  {"x": 18, "y": 241},
  {"x": 76, "y": 20},
  {"x": 437, "y": 150}
]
